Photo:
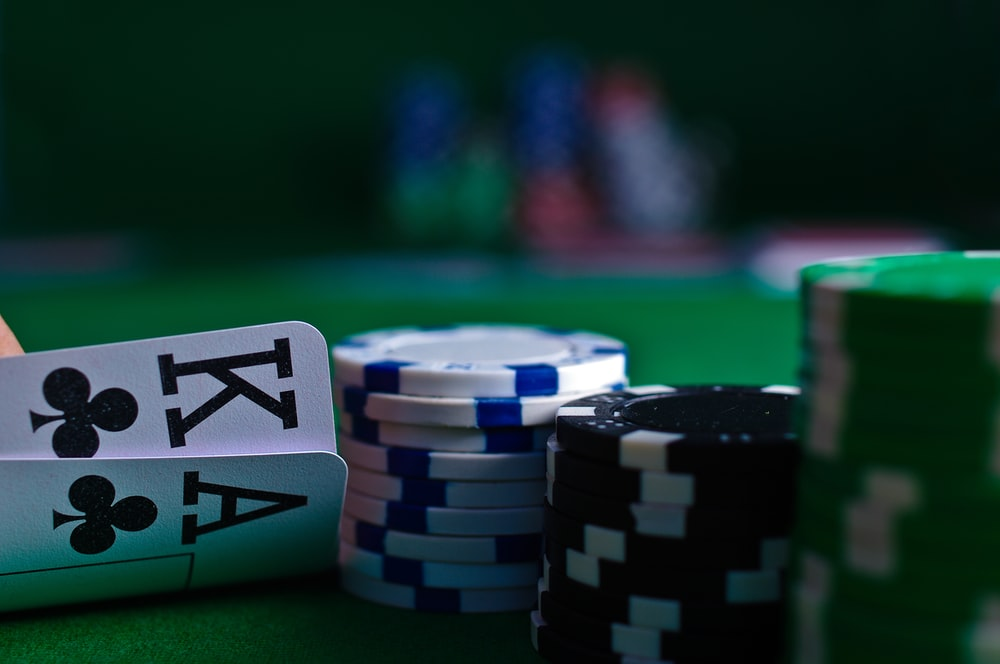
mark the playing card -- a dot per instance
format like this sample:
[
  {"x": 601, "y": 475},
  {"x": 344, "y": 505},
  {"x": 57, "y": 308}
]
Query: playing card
[
  {"x": 248, "y": 390},
  {"x": 78, "y": 530}
]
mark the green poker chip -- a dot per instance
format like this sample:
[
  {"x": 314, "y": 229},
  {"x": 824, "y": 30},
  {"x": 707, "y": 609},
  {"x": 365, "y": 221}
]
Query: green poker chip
[
  {"x": 960, "y": 452},
  {"x": 906, "y": 285},
  {"x": 899, "y": 485},
  {"x": 899, "y": 367},
  {"x": 932, "y": 491},
  {"x": 850, "y": 631},
  {"x": 897, "y": 305},
  {"x": 940, "y": 595}
]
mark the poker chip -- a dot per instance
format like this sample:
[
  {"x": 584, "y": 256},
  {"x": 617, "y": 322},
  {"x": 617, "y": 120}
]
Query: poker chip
[
  {"x": 443, "y": 520},
  {"x": 737, "y": 489},
  {"x": 445, "y": 493},
  {"x": 443, "y": 548},
  {"x": 426, "y": 464},
  {"x": 432, "y": 574},
  {"x": 909, "y": 284},
  {"x": 555, "y": 647},
  {"x": 683, "y": 429},
  {"x": 637, "y": 549},
  {"x": 426, "y": 117},
  {"x": 946, "y": 492},
  {"x": 894, "y": 545},
  {"x": 441, "y": 600},
  {"x": 479, "y": 361},
  {"x": 446, "y": 439},
  {"x": 669, "y": 615},
  {"x": 667, "y": 525},
  {"x": 549, "y": 128},
  {"x": 669, "y": 520},
  {"x": 444, "y": 432},
  {"x": 730, "y": 586},
  {"x": 651, "y": 178},
  {"x": 450, "y": 411},
  {"x": 548, "y": 120},
  {"x": 842, "y": 631},
  {"x": 628, "y": 639}
]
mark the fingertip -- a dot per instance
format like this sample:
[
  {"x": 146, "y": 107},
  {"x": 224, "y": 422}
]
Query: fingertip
[{"x": 9, "y": 344}]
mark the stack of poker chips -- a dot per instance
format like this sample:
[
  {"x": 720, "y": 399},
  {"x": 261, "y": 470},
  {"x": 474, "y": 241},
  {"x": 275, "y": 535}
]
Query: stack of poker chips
[
  {"x": 666, "y": 526},
  {"x": 650, "y": 177},
  {"x": 577, "y": 152},
  {"x": 549, "y": 144},
  {"x": 426, "y": 115},
  {"x": 896, "y": 543},
  {"x": 443, "y": 430},
  {"x": 447, "y": 176}
]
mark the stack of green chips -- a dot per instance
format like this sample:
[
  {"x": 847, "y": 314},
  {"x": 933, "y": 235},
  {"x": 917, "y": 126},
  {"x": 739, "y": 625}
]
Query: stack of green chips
[
  {"x": 897, "y": 543},
  {"x": 464, "y": 201}
]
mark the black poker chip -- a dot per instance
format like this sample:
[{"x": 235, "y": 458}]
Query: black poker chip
[
  {"x": 762, "y": 488},
  {"x": 666, "y": 525},
  {"x": 725, "y": 586},
  {"x": 685, "y": 428},
  {"x": 660, "y": 552},
  {"x": 667, "y": 520},
  {"x": 668, "y": 615},
  {"x": 646, "y": 642},
  {"x": 558, "y": 648}
]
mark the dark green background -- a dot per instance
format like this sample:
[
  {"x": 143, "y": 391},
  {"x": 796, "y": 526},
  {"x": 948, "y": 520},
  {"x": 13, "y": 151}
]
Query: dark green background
[{"x": 232, "y": 123}]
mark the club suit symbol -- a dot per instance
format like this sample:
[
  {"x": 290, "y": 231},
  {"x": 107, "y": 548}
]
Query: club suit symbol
[
  {"x": 68, "y": 390},
  {"x": 95, "y": 497}
]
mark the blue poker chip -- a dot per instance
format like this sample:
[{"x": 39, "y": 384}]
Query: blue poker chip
[
  {"x": 486, "y": 549},
  {"x": 432, "y": 574},
  {"x": 427, "y": 113},
  {"x": 446, "y": 439},
  {"x": 446, "y": 493},
  {"x": 549, "y": 124},
  {"x": 437, "y": 600},
  {"x": 471, "y": 361},
  {"x": 472, "y": 466},
  {"x": 482, "y": 412},
  {"x": 443, "y": 520}
]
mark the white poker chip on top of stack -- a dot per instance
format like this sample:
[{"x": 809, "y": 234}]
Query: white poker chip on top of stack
[
  {"x": 443, "y": 430},
  {"x": 475, "y": 361}
]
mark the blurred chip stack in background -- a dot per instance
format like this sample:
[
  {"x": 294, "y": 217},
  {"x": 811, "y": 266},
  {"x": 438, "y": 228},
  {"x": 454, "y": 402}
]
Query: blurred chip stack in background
[
  {"x": 426, "y": 116},
  {"x": 587, "y": 158},
  {"x": 548, "y": 139},
  {"x": 649, "y": 176}
]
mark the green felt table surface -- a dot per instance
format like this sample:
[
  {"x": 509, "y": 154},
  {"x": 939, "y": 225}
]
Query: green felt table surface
[{"x": 706, "y": 331}]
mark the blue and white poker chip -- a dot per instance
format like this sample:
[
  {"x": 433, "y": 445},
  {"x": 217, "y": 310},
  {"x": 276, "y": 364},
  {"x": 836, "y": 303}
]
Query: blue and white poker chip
[
  {"x": 447, "y": 493},
  {"x": 443, "y": 520},
  {"x": 442, "y": 548},
  {"x": 409, "y": 571},
  {"x": 484, "y": 360},
  {"x": 454, "y": 411},
  {"x": 442, "y": 600},
  {"x": 472, "y": 466},
  {"x": 446, "y": 439}
]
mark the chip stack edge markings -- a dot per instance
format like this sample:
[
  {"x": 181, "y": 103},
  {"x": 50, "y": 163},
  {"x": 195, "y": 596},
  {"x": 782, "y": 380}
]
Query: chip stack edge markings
[{"x": 448, "y": 418}]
